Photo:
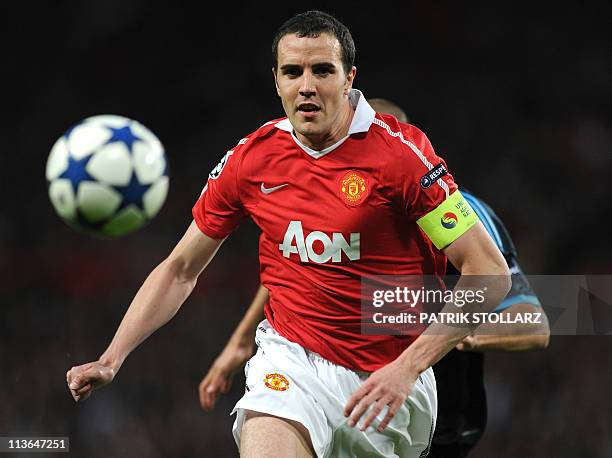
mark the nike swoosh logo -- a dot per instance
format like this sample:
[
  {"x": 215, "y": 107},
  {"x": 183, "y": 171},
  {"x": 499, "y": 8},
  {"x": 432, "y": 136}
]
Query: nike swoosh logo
[{"x": 271, "y": 190}]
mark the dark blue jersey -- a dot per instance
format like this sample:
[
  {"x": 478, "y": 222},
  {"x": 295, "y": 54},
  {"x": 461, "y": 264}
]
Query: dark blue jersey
[{"x": 521, "y": 291}]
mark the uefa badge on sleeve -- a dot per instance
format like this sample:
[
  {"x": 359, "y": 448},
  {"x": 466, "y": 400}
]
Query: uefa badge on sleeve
[
  {"x": 354, "y": 188},
  {"x": 433, "y": 175}
]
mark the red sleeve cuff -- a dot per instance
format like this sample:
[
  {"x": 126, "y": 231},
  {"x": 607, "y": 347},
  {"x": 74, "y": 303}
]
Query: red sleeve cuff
[{"x": 207, "y": 230}]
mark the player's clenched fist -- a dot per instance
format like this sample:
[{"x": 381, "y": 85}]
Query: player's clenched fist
[{"x": 82, "y": 380}]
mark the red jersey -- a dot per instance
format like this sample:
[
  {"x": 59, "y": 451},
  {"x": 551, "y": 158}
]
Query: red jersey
[{"x": 328, "y": 218}]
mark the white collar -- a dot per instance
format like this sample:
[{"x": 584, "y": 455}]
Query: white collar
[{"x": 362, "y": 120}]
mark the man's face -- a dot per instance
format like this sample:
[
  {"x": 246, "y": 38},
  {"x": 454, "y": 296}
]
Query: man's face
[{"x": 312, "y": 84}]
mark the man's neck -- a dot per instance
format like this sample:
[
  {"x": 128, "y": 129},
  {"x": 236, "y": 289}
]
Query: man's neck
[{"x": 338, "y": 132}]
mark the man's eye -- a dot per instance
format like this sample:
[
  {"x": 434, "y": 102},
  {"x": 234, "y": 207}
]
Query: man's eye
[
  {"x": 322, "y": 71},
  {"x": 292, "y": 72}
]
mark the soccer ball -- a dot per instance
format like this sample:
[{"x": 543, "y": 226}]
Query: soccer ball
[{"x": 107, "y": 175}]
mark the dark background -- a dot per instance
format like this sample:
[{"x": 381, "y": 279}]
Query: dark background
[{"x": 518, "y": 101}]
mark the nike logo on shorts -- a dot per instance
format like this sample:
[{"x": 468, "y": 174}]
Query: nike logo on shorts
[{"x": 271, "y": 190}]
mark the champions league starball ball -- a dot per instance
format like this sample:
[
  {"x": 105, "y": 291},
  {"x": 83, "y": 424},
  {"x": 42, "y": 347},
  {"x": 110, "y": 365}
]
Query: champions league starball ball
[{"x": 107, "y": 175}]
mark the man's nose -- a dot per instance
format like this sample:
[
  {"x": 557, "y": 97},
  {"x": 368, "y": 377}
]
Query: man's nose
[{"x": 307, "y": 88}]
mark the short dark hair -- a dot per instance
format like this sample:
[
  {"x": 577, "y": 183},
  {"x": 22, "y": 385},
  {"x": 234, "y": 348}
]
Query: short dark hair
[{"x": 312, "y": 24}]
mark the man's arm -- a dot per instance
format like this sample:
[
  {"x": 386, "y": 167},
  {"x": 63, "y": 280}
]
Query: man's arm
[
  {"x": 157, "y": 301},
  {"x": 236, "y": 353},
  {"x": 513, "y": 335},
  {"x": 523, "y": 325},
  {"x": 474, "y": 253}
]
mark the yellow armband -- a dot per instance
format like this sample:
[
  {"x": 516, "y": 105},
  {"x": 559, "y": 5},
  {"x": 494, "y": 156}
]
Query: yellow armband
[{"x": 448, "y": 221}]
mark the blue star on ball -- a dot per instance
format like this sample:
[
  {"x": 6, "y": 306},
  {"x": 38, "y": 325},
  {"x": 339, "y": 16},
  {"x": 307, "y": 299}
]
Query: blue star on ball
[
  {"x": 77, "y": 172},
  {"x": 123, "y": 134},
  {"x": 132, "y": 193}
]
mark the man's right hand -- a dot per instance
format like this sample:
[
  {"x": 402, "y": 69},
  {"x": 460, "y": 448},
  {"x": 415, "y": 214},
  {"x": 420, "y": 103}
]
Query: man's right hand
[
  {"x": 219, "y": 377},
  {"x": 82, "y": 380}
]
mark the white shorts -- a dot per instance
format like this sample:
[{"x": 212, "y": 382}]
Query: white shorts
[{"x": 285, "y": 380}]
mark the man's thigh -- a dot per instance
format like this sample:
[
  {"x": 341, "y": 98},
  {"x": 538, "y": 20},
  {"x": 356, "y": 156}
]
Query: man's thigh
[{"x": 266, "y": 436}]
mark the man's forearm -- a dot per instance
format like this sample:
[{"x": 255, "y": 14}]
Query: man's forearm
[
  {"x": 438, "y": 339},
  {"x": 157, "y": 301},
  {"x": 514, "y": 334},
  {"x": 509, "y": 343}
]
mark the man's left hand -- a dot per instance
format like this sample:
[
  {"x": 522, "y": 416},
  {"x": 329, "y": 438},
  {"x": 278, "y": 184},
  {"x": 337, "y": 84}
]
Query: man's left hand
[{"x": 388, "y": 386}]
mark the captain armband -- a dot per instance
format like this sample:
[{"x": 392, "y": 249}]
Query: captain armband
[{"x": 448, "y": 221}]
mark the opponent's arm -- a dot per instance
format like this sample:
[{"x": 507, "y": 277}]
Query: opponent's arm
[
  {"x": 473, "y": 254},
  {"x": 236, "y": 353},
  {"x": 157, "y": 301},
  {"x": 510, "y": 336}
]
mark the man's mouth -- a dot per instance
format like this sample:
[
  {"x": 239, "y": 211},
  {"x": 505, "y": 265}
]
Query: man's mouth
[{"x": 308, "y": 108}]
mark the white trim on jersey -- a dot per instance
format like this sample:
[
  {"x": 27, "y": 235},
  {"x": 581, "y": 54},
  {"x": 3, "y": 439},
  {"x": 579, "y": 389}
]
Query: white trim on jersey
[
  {"x": 364, "y": 113},
  {"x": 413, "y": 147},
  {"x": 362, "y": 120},
  {"x": 285, "y": 125},
  {"x": 318, "y": 154}
]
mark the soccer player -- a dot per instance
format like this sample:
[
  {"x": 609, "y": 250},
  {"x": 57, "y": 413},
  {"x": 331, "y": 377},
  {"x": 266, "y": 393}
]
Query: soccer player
[
  {"x": 462, "y": 402},
  {"x": 337, "y": 191},
  {"x": 459, "y": 375}
]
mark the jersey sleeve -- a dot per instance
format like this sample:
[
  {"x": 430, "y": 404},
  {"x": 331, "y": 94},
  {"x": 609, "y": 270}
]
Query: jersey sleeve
[
  {"x": 430, "y": 194},
  {"x": 219, "y": 210}
]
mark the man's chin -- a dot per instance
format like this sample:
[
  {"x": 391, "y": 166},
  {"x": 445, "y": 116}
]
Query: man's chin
[{"x": 306, "y": 128}]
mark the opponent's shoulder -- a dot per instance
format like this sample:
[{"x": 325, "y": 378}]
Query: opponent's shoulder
[{"x": 492, "y": 223}]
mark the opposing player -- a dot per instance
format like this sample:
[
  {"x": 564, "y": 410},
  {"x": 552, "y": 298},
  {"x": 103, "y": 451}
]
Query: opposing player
[{"x": 352, "y": 205}]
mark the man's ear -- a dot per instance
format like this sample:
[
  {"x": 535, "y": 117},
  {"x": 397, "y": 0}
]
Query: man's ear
[
  {"x": 350, "y": 77},
  {"x": 275, "y": 81}
]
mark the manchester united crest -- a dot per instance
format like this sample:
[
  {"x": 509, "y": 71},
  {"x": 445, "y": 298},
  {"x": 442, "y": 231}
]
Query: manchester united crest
[
  {"x": 276, "y": 382},
  {"x": 354, "y": 188}
]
